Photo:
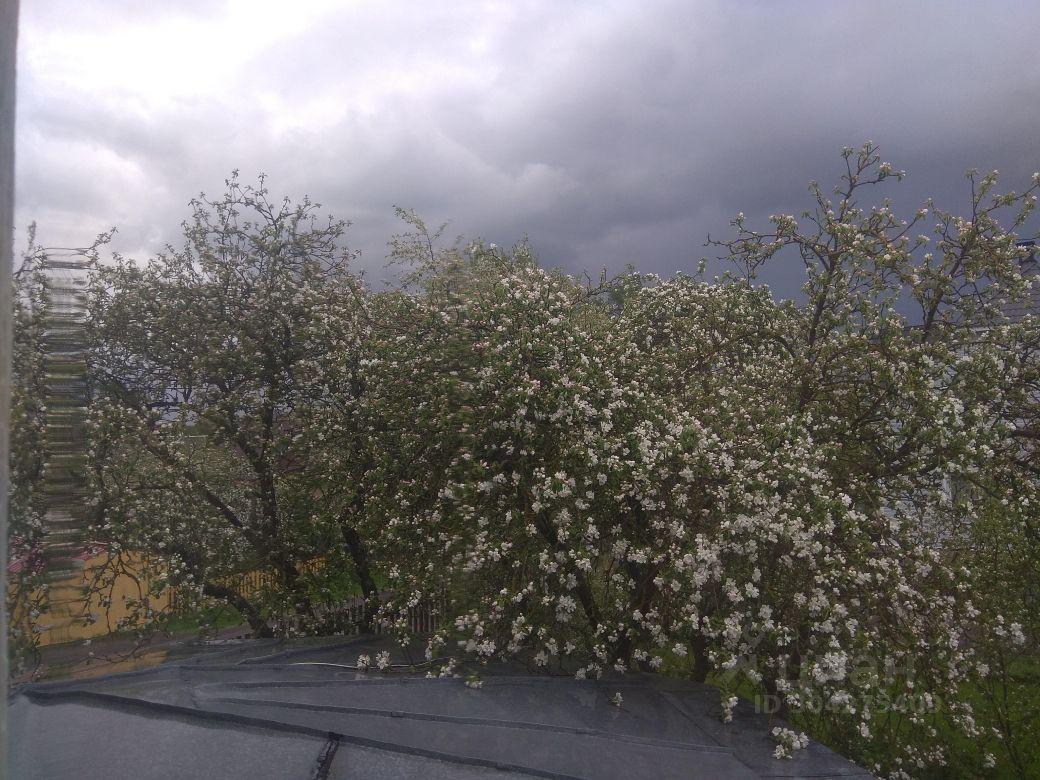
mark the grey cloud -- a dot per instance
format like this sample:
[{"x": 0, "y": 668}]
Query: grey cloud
[{"x": 609, "y": 133}]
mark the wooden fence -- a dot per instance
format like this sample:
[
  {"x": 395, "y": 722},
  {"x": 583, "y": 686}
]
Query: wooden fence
[
  {"x": 65, "y": 623},
  {"x": 349, "y": 615}
]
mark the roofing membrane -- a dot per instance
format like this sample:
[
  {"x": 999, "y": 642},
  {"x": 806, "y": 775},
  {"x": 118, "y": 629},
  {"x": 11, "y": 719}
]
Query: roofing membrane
[{"x": 296, "y": 709}]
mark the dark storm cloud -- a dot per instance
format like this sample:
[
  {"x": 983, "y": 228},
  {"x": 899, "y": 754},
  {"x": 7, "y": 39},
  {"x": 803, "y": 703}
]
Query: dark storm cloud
[{"x": 607, "y": 132}]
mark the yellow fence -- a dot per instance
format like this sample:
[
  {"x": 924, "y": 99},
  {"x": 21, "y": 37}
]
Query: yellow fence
[{"x": 66, "y": 620}]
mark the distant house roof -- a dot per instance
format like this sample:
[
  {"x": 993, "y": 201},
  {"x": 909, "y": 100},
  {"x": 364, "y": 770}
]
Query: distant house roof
[
  {"x": 267, "y": 708},
  {"x": 1030, "y": 269}
]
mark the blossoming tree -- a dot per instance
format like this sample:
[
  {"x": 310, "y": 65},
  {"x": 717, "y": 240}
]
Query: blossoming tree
[
  {"x": 208, "y": 367},
  {"x": 828, "y": 504},
  {"x": 698, "y": 476}
]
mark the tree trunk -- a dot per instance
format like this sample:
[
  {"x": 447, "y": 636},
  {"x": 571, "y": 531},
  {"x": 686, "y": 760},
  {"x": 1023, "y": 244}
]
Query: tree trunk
[
  {"x": 701, "y": 663},
  {"x": 358, "y": 552},
  {"x": 290, "y": 574},
  {"x": 249, "y": 611}
]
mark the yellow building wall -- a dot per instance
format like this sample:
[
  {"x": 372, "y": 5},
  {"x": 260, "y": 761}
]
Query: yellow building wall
[{"x": 65, "y": 621}]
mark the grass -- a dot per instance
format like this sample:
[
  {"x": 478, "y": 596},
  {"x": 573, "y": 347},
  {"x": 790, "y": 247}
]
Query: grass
[{"x": 212, "y": 617}]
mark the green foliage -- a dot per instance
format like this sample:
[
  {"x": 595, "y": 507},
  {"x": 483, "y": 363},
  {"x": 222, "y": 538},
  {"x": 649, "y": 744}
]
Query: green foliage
[
  {"x": 808, "y": 503},
  {"x": 208, "y": 367},
  {"x": 25, "y": 600}
]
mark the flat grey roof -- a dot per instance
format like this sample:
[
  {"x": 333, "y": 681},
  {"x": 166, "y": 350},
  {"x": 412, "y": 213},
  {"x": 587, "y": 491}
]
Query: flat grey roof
[{"x": 272, "y": 708}]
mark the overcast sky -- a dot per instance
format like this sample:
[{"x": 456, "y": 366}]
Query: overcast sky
[{"x": 608, "y": 132}]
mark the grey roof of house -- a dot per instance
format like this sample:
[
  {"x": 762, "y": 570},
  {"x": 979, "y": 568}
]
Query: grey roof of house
[
  {"x": 270, "y": 708},
  {"x": 1031, "y": 270}
]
